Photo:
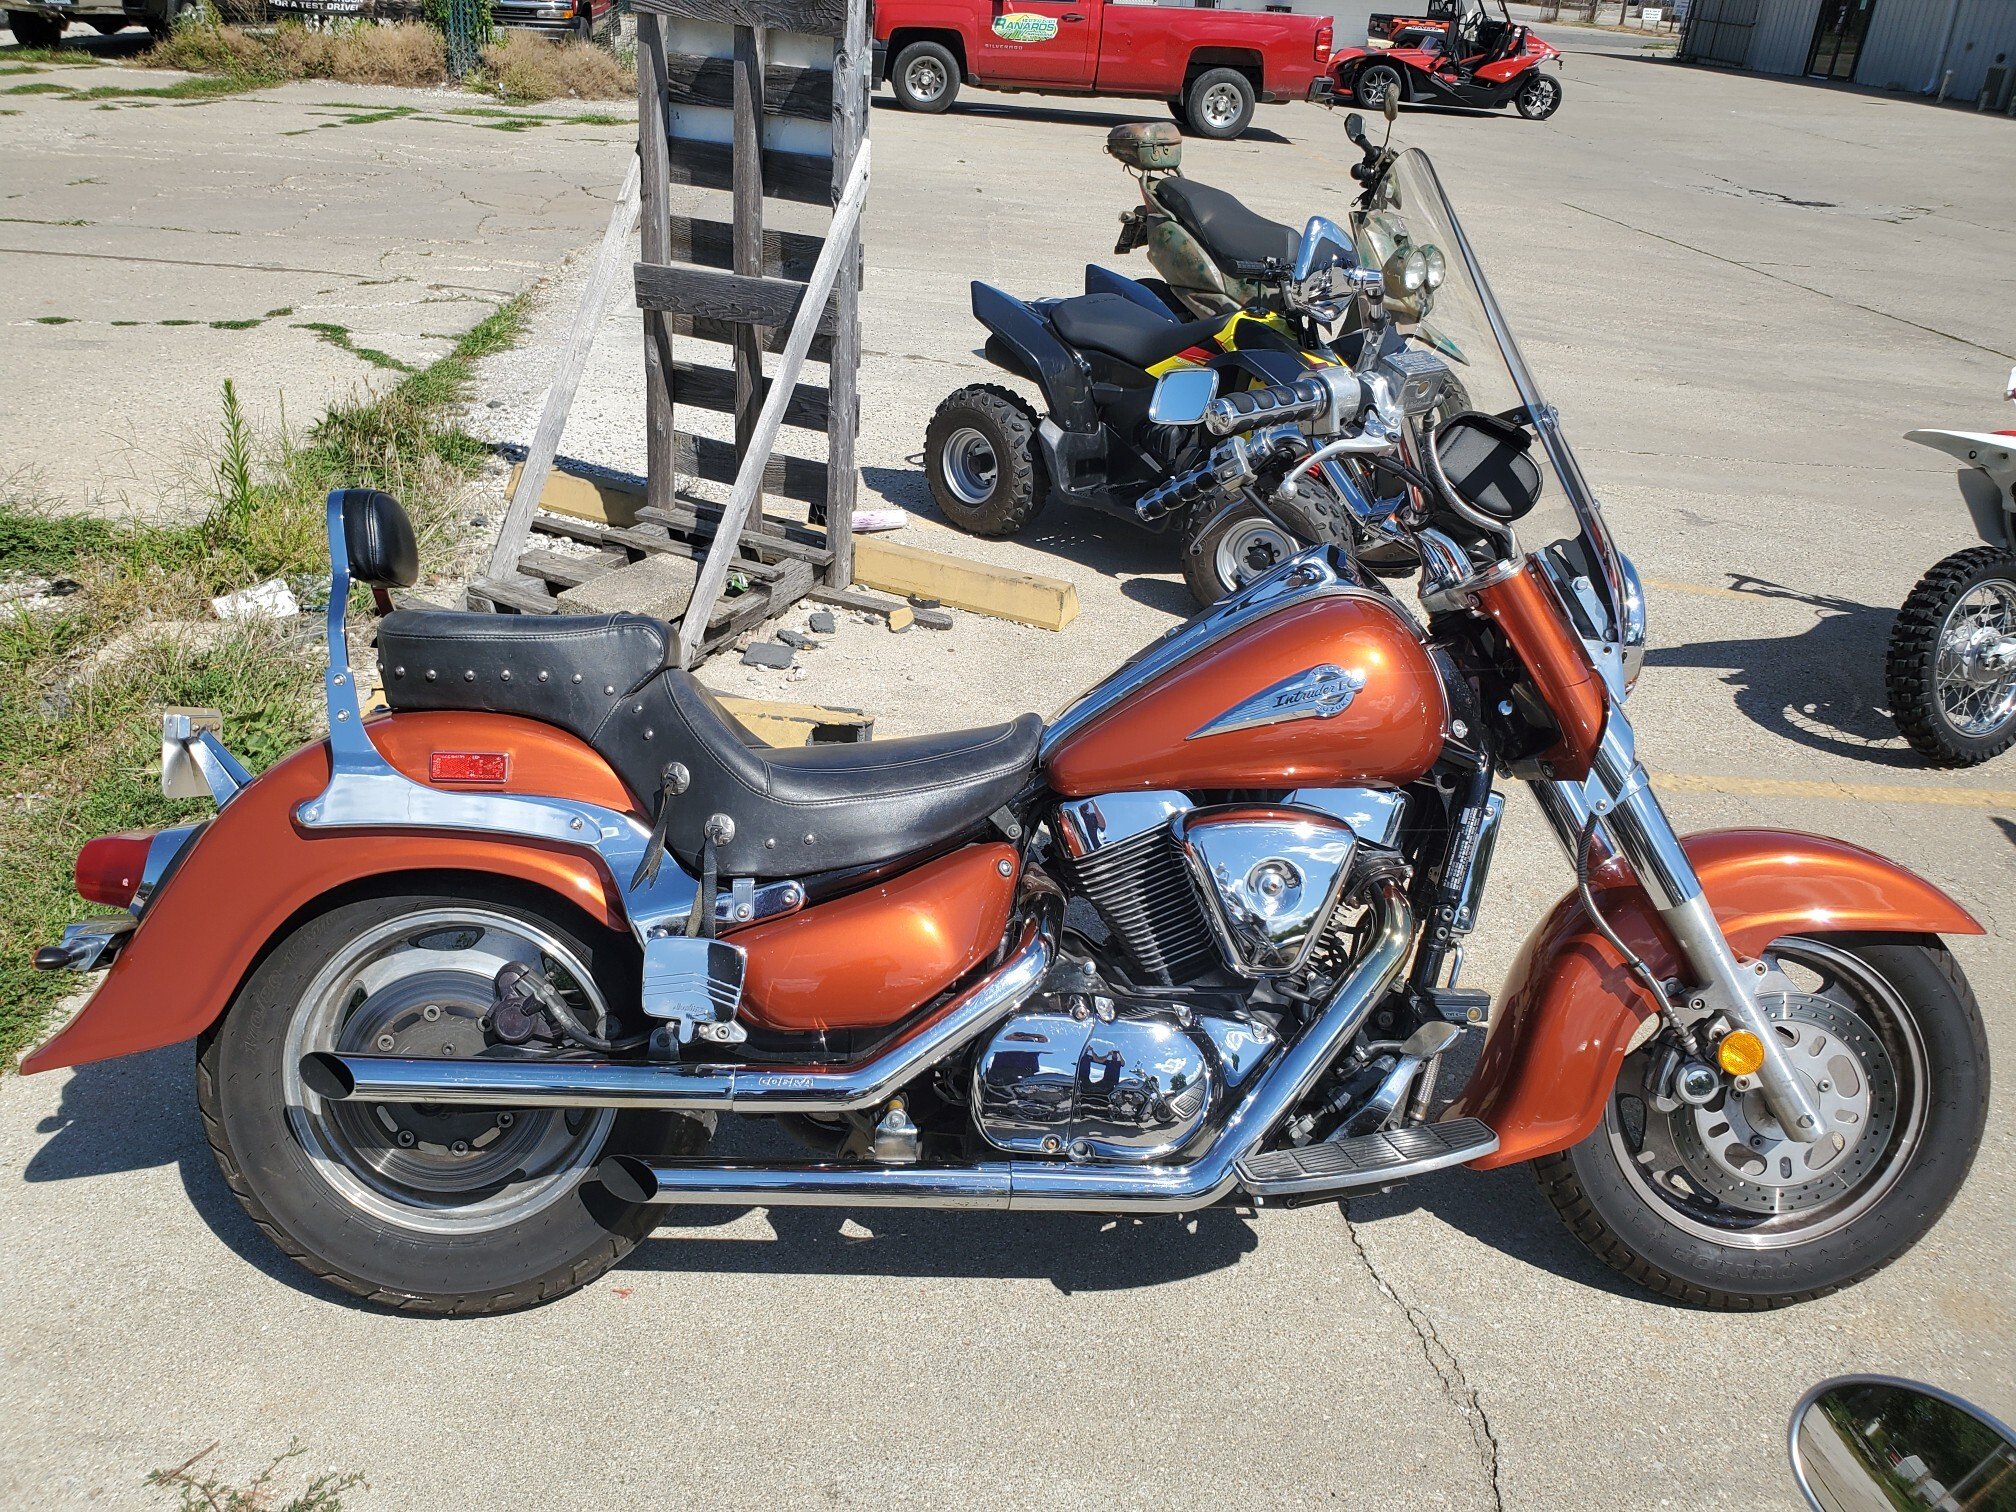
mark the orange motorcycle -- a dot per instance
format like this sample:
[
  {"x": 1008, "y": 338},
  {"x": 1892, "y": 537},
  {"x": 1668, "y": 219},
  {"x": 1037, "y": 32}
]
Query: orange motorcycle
[{"x": 470, "y": 982}]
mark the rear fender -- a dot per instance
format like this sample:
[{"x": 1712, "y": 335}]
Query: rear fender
[
  {"x": 254, "y": 871},
  {"x": 1066, "y": 384},
  {"x": 1569, "y": 1008}
]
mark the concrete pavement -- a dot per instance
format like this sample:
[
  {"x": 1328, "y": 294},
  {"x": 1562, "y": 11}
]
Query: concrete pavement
[{"x": 1740, "y": 292}]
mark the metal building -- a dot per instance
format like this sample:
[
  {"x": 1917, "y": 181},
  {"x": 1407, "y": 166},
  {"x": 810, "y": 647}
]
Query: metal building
[{"x": 1961, "y": 49}]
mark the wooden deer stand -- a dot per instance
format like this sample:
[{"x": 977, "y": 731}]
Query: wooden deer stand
[{"x": 768, "y": 101}]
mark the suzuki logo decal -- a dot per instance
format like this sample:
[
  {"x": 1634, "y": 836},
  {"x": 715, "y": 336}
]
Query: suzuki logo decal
[{"x": 1316, "y": 693}]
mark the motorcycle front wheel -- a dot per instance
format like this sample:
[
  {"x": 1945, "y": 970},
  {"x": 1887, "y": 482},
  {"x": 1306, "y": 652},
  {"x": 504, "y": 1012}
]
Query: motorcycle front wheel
[
  {"x": 1715, "y": 1206},
  {"x": 433, "y": 1209},
  {"x": 1951, "y": 667}
]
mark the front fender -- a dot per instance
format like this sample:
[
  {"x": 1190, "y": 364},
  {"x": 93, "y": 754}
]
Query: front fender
[
  {"x": 1570, "y": 1007},
  {"x": 253, "y": 870}
]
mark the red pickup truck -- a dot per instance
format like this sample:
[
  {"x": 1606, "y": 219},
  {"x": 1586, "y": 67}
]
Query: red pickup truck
[{"x": 1212, "y": 66}]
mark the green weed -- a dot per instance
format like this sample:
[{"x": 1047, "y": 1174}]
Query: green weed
[{"x": 198, "y": 1491}]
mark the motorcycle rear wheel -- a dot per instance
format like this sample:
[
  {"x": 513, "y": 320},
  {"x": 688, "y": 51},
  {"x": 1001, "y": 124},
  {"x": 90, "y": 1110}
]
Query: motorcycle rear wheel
[
  {"x": 430, "y": 1210},
  {"x": 1714, "y": 1207}
]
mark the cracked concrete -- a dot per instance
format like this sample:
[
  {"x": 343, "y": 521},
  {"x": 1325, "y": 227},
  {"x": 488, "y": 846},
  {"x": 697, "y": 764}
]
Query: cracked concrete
[{"x": 117, "y": 222}]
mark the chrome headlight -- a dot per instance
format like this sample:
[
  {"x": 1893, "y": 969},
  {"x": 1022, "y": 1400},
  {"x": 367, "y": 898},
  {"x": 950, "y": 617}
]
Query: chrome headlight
[
  {"x": 1414, "y": 272},
  {"x": 1438, "y": 266},
  {"x": 1634, "y": 622}
]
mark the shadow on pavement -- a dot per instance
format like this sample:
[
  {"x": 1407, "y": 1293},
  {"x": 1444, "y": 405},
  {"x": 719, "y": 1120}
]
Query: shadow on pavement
[
  {"x": 1821, "y": 688},
  {"x": 138, "y": 1113},
  {"x": 1058, "y": 115},
  {"x": 1106, "y": 545}
]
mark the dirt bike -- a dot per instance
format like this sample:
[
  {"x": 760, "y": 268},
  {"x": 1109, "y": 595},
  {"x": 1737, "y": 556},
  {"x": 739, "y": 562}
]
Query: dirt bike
[
  {"x": 471, "y": 982},
  {"x": 1951, "y": 668}
]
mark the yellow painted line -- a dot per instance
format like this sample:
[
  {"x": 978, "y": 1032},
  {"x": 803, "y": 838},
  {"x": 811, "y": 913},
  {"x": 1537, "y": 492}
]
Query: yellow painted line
[
  {"x": 1850, "y": 792},
  {"x": 1703, "y": 590}
]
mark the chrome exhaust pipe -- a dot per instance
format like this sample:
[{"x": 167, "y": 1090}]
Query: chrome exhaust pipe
[
  {"x": 531, "y": 1083},
  {"x": 1035, "y": 1185}
]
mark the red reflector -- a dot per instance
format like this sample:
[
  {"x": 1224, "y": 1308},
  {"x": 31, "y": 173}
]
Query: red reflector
[
  {"x": 1323, "y": 41},
  {"x": 468, "y": 766},
  {"x": 109, "y": 868}
]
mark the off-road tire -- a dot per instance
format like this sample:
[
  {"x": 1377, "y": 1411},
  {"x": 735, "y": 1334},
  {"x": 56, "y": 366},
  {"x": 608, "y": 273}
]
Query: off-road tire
[
  {"x": 1201, "y": 88},
  {"x": 1008, "y": 423},
  {"x": 1374, "y": 100},
  {"x": 1319, "y": 516},
  {"x": 1528, "y": 101},
  {"x": 553, "y": 1251},
  {"x": 32, "y": 29},
  {"x": 899, "y": 78},
  {"x": 1592, "y": 1195},
  {"x": 1909, "y": 670}
]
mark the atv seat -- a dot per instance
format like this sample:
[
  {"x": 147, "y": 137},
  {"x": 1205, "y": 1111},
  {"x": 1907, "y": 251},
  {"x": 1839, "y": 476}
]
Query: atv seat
[
  {"x": 605, "y": 679},
  {"x": 1117, "y": 326},
  {"x": 1239, "y": 241}
]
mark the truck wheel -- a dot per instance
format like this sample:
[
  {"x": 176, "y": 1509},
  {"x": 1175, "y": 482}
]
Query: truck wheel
[
  {"x": 925, "y": 78},
  {"x": 1539, "y": 97},
  {"x": 1219, "y": 104},
  {"x": 32, "y": 30},
  {"x": 980, "y": 455}
]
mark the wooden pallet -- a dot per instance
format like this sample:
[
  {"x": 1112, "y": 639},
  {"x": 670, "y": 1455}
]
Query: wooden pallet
[{"x": 767, "y": 101}]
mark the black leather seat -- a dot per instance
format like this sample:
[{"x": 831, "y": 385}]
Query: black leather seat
[
  {"x": 1117, "y": 326},
  {"x": 604, "y": 678},
  {"x": 1238, "y": 240}
]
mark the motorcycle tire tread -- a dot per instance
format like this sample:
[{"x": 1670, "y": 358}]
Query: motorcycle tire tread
[
  {"x": 682, "y": 1135},
  {"x": 1021, "y": 489},
  {"x": 1914, "y": 653},
  {"x": 1323, "y": 518},
  {"x": 1564, "y": 1189}
]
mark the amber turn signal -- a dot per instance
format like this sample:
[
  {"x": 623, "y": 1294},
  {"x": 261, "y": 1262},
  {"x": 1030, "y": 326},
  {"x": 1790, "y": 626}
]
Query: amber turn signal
[{"x": 1740, "y": 1052}]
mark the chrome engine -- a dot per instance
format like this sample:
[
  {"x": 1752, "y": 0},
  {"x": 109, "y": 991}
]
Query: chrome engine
[{"x": 1096, "y": 1079}]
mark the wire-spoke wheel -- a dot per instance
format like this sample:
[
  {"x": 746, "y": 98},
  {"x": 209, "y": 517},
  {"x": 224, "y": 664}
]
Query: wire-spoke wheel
[
  {"x": 1951, "y": 668},
  {"x": 1717, "y": 1205},
  {"x": 430, "y": 1208}
]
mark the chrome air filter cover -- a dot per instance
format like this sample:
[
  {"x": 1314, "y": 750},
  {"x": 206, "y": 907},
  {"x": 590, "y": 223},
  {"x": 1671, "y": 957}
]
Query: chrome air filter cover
[{"x": 1270, "y": 876}]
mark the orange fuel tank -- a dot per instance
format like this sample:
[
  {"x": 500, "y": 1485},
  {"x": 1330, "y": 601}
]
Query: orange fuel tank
[{"x": 1329, "y": 692}]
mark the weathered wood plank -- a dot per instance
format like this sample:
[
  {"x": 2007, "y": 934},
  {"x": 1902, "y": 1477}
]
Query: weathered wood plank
[
  {"x": 523, "y": 594},
  {"x": 716, "y": 461},
  {"x": 567, "y": 571},
  {"x": 654, "y": 147},
  {"x": 869, "y": 603},
  {"x": 531, "y": 478},
  {"x": 748, "y": 228},
  {"x": 734, "y": 299},
  {"x": 806, "y": 178},
  {"x": 750, "y": 475},
  {"x": 806, "y": 93},
  {"x": 711, "y": 244},
  {"x": 712, "y": 388},
  {"x": 815, "y": 18},
  {"x": 850, "y": 132},
  {"x": 702, "y": 328},
  {"x": 783, "y": 538},
  {"x": 640, "y": 543}
]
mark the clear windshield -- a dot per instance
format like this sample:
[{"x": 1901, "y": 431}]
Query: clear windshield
[{"x": 1454, "y": 314}]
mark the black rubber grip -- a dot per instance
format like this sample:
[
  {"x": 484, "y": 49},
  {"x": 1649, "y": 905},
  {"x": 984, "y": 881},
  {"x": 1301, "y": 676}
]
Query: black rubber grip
[{"x": 1304, "y": 399}]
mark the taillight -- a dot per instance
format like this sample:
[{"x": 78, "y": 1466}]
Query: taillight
[
  {"x": 1323, "y": 34},
  {"x": 468, "y": 766},
  {"x": 110, "y": 869}
]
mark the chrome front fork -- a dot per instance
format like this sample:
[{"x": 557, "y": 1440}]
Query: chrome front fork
[{"x": 1632, "y": 823}]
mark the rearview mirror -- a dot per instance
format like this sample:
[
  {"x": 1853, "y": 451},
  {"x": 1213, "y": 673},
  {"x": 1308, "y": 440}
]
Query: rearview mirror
[
  {"x": 1354, "y": 128},
  {"x": 1182, "y": 395},
  {"x": 1391, "y": 107},
  {"x": 1325, "y": 245},
  {"x": 1875, "y": 1443}
]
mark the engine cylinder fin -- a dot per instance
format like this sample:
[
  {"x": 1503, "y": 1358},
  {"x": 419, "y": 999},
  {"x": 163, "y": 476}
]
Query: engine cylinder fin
[{"x": 1145, "y": 897}]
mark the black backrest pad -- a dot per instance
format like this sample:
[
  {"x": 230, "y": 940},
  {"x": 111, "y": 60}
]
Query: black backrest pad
[{"x": 383, "y": 553}]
